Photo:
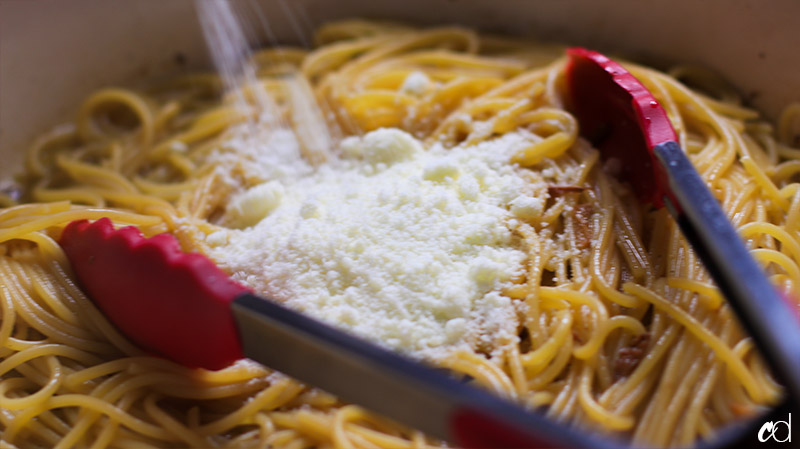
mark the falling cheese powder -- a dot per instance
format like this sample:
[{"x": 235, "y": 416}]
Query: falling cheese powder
[{"x": 408, "y": 247}]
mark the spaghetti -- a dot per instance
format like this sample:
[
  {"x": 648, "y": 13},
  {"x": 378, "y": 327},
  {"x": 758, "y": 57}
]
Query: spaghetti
[{"x": 620, "y": 328}]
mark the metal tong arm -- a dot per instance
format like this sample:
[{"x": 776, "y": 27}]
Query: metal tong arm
[
  {"x": 392, "y": 385},
  {"x": 767, "y": 316}
]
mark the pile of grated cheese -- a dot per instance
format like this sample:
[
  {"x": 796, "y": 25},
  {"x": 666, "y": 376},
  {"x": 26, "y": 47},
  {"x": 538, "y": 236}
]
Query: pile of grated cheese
[{"x": 406, "y": 246}]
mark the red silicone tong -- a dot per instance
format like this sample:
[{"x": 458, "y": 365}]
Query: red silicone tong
[
  {"x": 625, "y": 122},
  {"x": 170, "y": 303}
]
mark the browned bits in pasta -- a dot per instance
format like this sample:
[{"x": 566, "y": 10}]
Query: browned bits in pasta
[
  {"x": 556, "y": 191},
  {"x": 582, "y": 214},
  {"x": 629, "y": 357}
]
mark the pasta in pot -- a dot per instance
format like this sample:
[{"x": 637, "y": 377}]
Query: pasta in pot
[{"x": 620, "y": 329}]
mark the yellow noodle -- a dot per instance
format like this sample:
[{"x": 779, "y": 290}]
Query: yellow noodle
[
  {"x": 711, "y": 295},
  {"x": 698, "y": 330}
]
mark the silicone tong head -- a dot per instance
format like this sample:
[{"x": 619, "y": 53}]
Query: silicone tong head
[
  {"x": 622, "y": 119},
  {"x": 168, "y": 302}
]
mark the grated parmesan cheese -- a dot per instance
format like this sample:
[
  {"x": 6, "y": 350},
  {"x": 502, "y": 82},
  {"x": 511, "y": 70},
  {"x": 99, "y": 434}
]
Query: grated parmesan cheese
[
  {"x": 407, "y": 247},
  {"x": 270, "y": 153},
  {"x": 251, "y": 206},
  {"x": 416, "y": 83}
]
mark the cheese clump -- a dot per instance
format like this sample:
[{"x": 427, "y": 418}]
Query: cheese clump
[{"x": 406, "y": 246}]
